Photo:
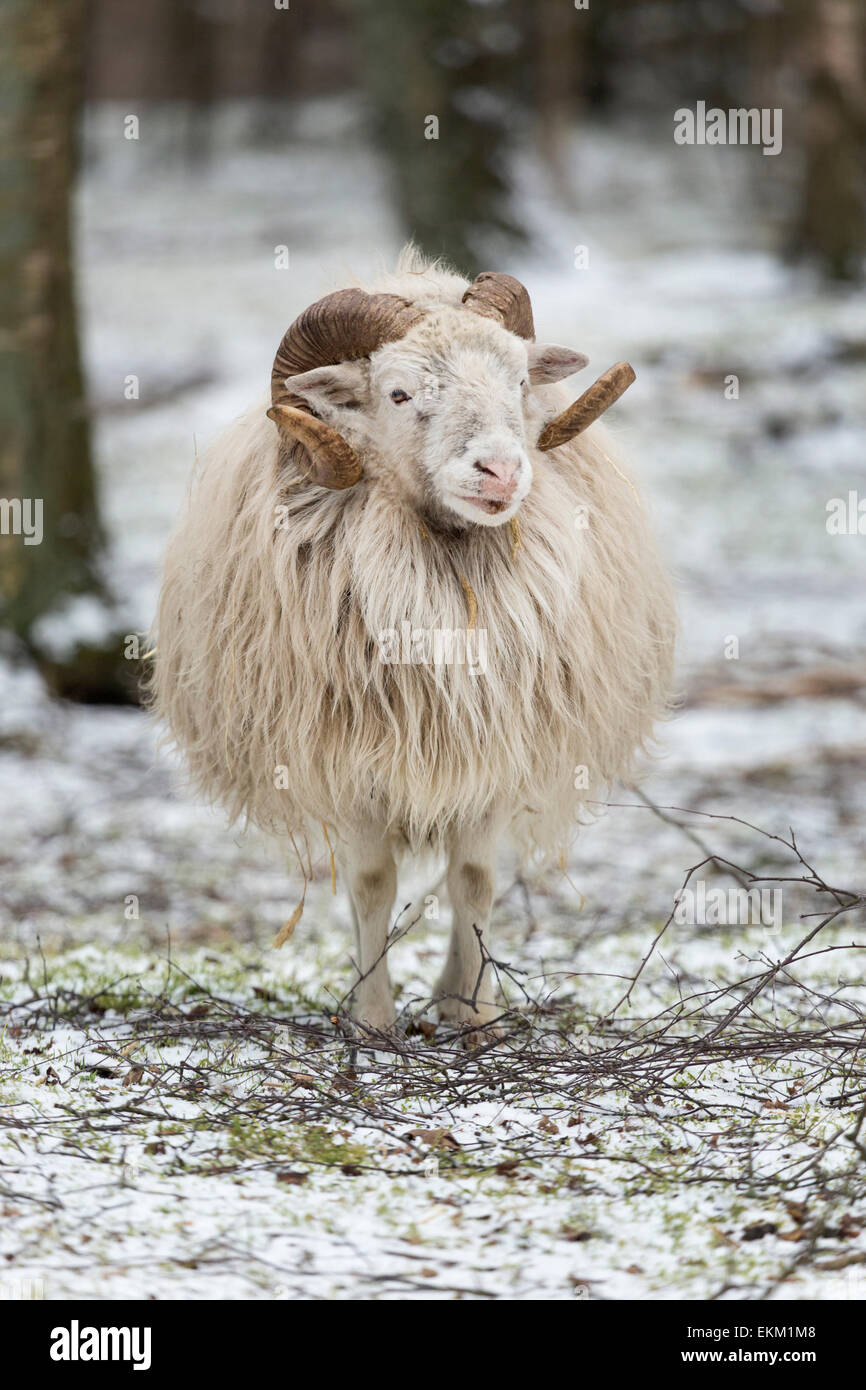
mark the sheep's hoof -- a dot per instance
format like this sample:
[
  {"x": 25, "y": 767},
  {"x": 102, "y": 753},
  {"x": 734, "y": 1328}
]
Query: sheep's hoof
[
  {"x": 472, "y": 1038},
  {"x": 477, "y": 1026}
]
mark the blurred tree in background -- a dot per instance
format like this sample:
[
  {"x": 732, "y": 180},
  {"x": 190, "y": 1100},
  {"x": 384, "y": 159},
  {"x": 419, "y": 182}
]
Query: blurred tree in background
[
  {"x": 444, "y": 80},
  {"x": 831, "y": 52},
  {"x": 44, "y": 435},
  {"x": 45, "y": 445}
]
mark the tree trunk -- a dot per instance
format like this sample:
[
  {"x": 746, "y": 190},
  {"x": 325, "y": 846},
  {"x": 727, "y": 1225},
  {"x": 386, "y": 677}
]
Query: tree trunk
[
  {"x": 44, "y": 437},
  {"x": 47, "y": 486},
  {"x": 446, "y": 89},
  {"x": 559, "y": 45},
  {"x": 831, "y": 221}
]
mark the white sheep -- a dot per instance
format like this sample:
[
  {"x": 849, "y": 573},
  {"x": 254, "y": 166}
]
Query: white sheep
[{"x": 389, "y": 613}]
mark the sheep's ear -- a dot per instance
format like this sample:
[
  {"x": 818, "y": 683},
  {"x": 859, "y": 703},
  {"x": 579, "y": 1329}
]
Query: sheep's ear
[
  {"x": 549, "y": 362},
  {"x": 328, "y": 389}
]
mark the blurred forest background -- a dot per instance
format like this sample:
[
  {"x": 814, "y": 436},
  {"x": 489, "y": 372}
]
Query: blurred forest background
[
  {"x": 492, "y": 69},
  {"x": 498, "y": 75}
]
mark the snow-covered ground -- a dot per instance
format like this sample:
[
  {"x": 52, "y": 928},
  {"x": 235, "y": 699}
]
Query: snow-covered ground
[{"x": 256, "y": 1154}]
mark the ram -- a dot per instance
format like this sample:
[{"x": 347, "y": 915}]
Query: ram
[{"x": 417, "y": 474}]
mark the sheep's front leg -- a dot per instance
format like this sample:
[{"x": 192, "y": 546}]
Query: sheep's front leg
[
  {"x": 465, "y": 983},
  {"x": 372, "y": 881}
]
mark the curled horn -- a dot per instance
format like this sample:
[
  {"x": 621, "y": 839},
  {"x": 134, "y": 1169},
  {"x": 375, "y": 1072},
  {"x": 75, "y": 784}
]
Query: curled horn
[
  {"x": 334, "y": 462},
  {"x": 501, "y": 297},
  {"x": 588, "y": 407},
  {"x": 343, "y": 326}
]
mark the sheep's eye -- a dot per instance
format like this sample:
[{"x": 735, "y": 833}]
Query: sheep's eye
[
  {"x": 398, "y": 395},
  {"x": 525, "y": 382}
]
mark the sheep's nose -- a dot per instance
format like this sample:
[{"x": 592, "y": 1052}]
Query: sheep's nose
[{"x": 499, "y": 476}]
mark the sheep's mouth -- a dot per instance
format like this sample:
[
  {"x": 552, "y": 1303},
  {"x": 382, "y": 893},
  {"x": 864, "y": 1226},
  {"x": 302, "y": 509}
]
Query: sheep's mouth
[
  {"x": 481, "y": 511},
  {"x": 488, "y": 505}
]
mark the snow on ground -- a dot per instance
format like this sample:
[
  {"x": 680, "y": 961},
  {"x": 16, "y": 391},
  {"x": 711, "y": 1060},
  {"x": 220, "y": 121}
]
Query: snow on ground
[{"x": 180, "y": 1115}]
